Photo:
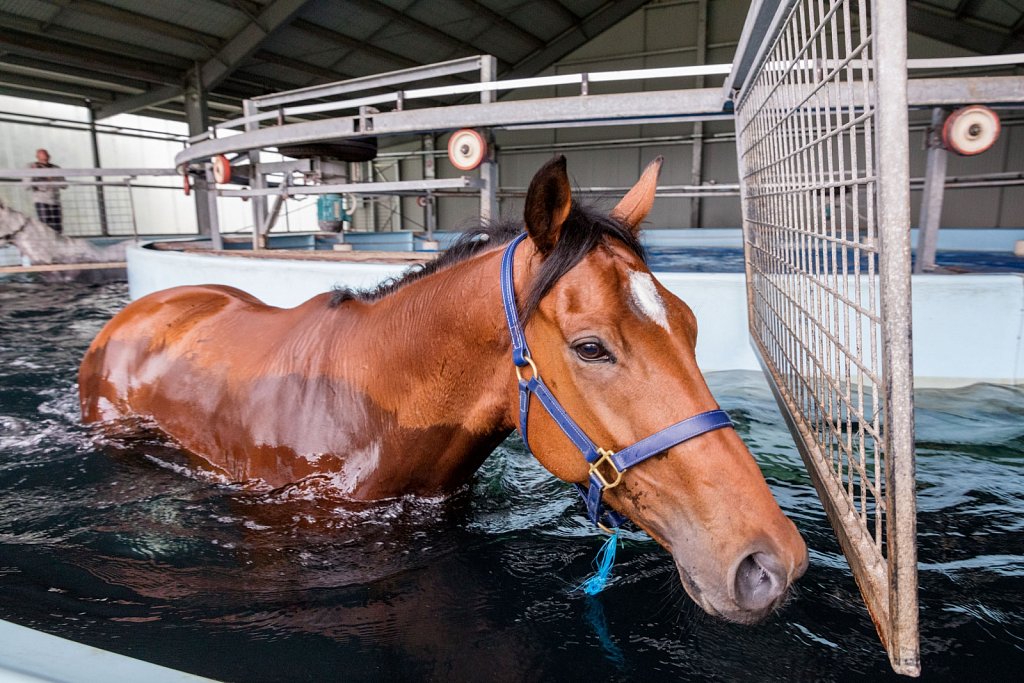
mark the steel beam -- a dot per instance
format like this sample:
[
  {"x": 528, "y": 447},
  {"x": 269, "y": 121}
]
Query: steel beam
[
  {"x": 697, "y": 160},
  {"x": 46, "y": 85},
  {"x": 273, "y": 17},
  {"x": 197, "y": 116},
  {"x": 762, "y": 18},
  {"x": 399, "y": 77},
  {"x": 932, "y": 92},
  {"x": 489, "y": 168},
  {"x": 257, "y": 180},
  {"x": 54, "y": 52},
  {"x": 594, "y": 109},
  {"x": 932, "y": 196},
  {"x": 150, "y": 98},
  {"x": 411, "y": 188},
  {"x": 96, "y": 79},
  {"x": 18, "y": 173},
  {"x": 100, "y": 198},
  {"x": 893, "y": 197}
]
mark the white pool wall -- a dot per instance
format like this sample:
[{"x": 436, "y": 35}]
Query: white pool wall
[
  {"x": 967, "y": 328},
  {"x": 30, "y": 656}
]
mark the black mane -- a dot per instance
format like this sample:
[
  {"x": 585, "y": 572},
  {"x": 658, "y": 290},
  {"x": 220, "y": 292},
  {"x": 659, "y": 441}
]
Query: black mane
[{"x": 583, "y": 230}]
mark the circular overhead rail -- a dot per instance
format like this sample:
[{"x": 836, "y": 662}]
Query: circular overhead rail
[
  {"x": 971, "y": 130},
  {"x": 466, "y": 149}
]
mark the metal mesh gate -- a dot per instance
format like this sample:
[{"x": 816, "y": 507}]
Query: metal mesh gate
[{"x": 822, "y": 141}]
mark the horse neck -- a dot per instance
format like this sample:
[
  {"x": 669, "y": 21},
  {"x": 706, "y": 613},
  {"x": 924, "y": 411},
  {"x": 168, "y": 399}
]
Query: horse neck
[{"x": 442, "y": 349}]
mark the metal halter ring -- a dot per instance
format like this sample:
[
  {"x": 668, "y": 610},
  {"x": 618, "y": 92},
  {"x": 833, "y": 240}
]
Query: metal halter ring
[
  {"x": 606, "y": 457},
  {"x": 533, "y": 366}
]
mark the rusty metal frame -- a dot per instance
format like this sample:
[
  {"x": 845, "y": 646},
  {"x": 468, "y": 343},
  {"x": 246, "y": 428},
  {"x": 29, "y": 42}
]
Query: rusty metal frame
[{"x": 822, "y": 142}]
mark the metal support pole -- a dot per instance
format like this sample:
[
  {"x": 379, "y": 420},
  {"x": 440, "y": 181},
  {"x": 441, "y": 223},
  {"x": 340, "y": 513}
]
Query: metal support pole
[
  {"x": 430, "y": 216},
  {"x": 697, "y": 165},
  {"x": 275, "y": 211},
  {"x": 370, "y": 175},
  {"x": 131, "y": 206},
  {"x": 216, "y": 241},
  {"x": 256, "y": 180},
  {"x": 100, "y": 199},
  {"x": 489, "y": 168},
  {"x": 932, "y": 196},
  {"x": 197, "y": 115},
  {"x": 890, "y": 44},
  {"x": 429, "y": 173}
]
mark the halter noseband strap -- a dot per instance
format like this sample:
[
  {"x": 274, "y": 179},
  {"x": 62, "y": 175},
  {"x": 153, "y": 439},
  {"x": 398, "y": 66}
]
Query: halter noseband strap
[{"x": 606, "y": 467}]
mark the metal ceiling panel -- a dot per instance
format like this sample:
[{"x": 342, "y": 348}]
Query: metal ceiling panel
[
  {"x": 362, "y": 64},
  {"x": 124, "y": 33},
  {"x": 206, "y": 16},
  {"x": 344, "y": 17},
  {"x": 998, "y": 12},
  {"x": 275, "y": 72},
  {"x": 306, "y": 47},
  {"x": 950, "y": 5},
  {"x": 29, "y": 9}
]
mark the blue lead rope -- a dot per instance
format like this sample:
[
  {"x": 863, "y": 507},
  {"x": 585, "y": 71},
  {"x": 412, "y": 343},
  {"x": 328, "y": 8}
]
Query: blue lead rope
[{"x": 603, "y": 564}]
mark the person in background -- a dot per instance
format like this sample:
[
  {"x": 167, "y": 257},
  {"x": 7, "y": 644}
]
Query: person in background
[{"x": 47, "y": 197}]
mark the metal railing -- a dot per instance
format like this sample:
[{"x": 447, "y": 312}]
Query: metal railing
[
  {"x": 90, "y": 202},
  {"x": 822, "y": 141}
]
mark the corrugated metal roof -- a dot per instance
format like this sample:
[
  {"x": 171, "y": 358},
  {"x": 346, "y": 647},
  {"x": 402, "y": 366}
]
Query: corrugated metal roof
[
  {"x": 152, "y": 41},
  {"x": 30, "y": 9},
  {"x": 220, "y": 19}
]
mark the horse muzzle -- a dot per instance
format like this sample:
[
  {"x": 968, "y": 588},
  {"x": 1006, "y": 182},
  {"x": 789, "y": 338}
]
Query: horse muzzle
[{"x": 756, "y": 585}]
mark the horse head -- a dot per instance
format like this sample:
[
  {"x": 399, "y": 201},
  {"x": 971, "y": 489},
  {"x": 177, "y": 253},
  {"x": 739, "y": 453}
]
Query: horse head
[{"x": 617, "y": 349}]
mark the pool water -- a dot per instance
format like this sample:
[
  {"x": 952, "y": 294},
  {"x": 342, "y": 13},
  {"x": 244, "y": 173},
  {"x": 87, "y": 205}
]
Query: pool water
[
  {"x": 123, "y": 545},
  {"x": 730, "y": 260}
]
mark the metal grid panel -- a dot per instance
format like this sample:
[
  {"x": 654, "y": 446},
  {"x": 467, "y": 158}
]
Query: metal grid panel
[
  {"x": 91, "y": 209},
  {"x": 823, "y": 158}
]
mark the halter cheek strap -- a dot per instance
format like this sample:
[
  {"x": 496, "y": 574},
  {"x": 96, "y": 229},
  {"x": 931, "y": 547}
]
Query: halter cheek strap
[{"x": 606, "y": 466}]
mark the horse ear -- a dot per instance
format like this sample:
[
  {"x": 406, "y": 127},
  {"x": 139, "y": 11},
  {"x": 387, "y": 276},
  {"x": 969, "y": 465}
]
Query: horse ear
[
  {"x": 547, "y": 204},
  {"x": 634, "y": 207}
]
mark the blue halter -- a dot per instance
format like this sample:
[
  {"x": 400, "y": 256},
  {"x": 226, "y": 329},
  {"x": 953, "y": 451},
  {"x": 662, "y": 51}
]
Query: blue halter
[{"x": 606, "y": 467}]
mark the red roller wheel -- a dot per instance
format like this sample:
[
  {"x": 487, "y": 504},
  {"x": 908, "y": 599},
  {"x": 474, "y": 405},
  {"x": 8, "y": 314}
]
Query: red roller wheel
[{"x": 221, "y": 169}]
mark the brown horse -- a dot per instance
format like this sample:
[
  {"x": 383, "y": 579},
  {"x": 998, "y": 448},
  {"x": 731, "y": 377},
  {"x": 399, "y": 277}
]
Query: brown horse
[{"x": 407, "y": 389}]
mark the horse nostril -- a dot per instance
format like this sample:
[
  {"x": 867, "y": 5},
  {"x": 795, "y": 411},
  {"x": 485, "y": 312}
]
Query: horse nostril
[{"x": 759, "y": 581}]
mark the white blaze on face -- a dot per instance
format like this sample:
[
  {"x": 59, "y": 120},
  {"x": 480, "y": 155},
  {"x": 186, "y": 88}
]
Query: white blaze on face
[{"x": 646, "y": 298}]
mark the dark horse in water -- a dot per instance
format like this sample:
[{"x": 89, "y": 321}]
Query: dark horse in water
[{"x": 407, "y": 389}]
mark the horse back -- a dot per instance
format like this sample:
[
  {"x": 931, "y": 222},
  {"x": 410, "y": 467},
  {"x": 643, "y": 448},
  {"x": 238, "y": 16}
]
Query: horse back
[{"x": 141, "y": 343}]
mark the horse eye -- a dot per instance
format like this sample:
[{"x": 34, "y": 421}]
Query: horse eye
[{"x": 592, "y": 351}]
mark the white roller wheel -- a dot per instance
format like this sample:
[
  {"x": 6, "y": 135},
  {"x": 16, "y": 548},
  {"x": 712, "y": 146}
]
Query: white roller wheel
[
  {"x": 350, "y": 204},
  {"x": 466, "y": 149},
  {"x": 971, "y": 130}
]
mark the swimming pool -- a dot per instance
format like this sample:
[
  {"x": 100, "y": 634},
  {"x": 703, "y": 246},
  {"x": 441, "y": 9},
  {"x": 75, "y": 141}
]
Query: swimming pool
[{"x": 119, "y": 544}]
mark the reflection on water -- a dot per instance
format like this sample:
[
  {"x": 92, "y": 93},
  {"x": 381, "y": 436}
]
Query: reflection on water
[{"x": 124, "y": 545}]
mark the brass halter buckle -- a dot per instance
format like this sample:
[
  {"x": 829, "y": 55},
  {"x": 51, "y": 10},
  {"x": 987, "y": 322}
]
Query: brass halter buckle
[
  {"x": 533, "y": 367},
  {"x": 606, "y": 457}
]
